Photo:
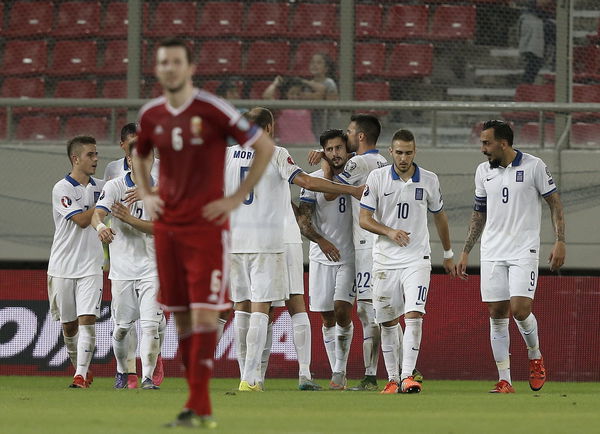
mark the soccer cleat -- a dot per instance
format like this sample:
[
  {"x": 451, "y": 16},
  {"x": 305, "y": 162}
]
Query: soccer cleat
[
  {"x": 120, "y": 381},
  {"x": 246, "y": 387},
  {"x": 409, "y": 385},
  {"x": 159, "y": 372},
  {"x": 537, "y": 374},
  {"x": 306, "y": 384},
  {"x": 132, "y": 381},
  {"x": 368, "y": 383},
  {"x": 79, "y": 383},
  {"x": 503, "y": 386},
  {"x": 189, "y": 419},
  {"x": 89, "y": 377},
  {"x": 147, "y": 384},
  {"x": 391, "y": 387},
  {"x": 417, "y": 376},
  {"x": 338, "y": 381}
]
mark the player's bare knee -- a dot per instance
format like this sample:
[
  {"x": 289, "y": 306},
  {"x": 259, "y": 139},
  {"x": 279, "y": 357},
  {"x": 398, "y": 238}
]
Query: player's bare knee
[
  {"x": 203, "y": 319},
  {"x": 390, "y": 323},
  {"x": 328, "y": 318},
  {"x": 343, "y": 313},
  {"x": 413, "y": 315},
  {"x": 499, "y": 309},
  {"x": 87, "y": 319},
  {"x": 183, "y": 323},
  {"x": 70, "y": 329},
  {"x": 295, "y": 304}
]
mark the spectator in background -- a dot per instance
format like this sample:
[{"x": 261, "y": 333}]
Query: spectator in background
[
  {"x": 321, "y": 86},
  {"x": 229, "y": 89},
  {"x": 537, "y": 30}
]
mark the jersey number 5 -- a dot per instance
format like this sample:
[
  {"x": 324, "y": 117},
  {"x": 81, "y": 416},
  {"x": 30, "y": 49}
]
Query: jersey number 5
[{"x": 250, "y": 197}]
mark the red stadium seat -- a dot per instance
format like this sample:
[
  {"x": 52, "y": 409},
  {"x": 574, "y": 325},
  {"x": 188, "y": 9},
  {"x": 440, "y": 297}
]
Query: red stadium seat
[
  {"x": 39, "y": 127},
  {"x": 74, "y": 58},
  {"x": 212, "y": 85},
  {"x": 369, "y": 59},
  {"x": 16, "y": 87},
  {"x": 29, "y": 19},
  {"x": 410, "y": 60},
  {"x": 221, "y": 19},
  {"x": 268, "y": 58},
  {"x": 453, "y": 23},
  {"x": 25, "y": 57},
  {"x": 172, "y": 19},
  {"x": 294, "y": 127},
  {"x": 305, "y": 52},
  {"x": 406, "y": 21},
  {"x": 96, "y": 127},
  {"x": 312, "y": 20},
  {"x": 267, "y": 19},
  {"x": 258, "y": 87},
  {"x": 1, "y": 18},
  {"x": 372, "y": 91},
  {"x": 220, "y": 57},
  {"x": 2, "y": 125},
  {"x": 586, "y": 93},
  {"x": 529, "y": 134},
  {"x": 586, "y": 63},
  {"x": 367, "y": 20},
  {"x": 115, "y": 58},
  {"x": 531, "y": 93},
  {"x": 85, "y": 89},
  {"x": 77, "y": 19},
  {"x": 115, "y": 20},
  {"x": 114, "y": 89},
  {"x": 585, "y": 134}
]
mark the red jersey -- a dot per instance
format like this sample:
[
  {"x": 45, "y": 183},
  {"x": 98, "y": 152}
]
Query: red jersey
[{"x": 191, "y": 142}]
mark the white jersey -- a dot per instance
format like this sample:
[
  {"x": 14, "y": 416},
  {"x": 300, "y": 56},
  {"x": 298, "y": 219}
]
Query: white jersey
[
  {"x": 76, "y": 252},
  {"x": 512, "y": 196},
  {"x": 333, "y": 220},
  {"x": 118, "y": 168},
  {"x": 402, "y": 205},
  {"x": 132, "y": 254},
  {"x": 258, "y": 225},
  {"x": 291, "y": 231},
  {"x": 355, "y": 172}
]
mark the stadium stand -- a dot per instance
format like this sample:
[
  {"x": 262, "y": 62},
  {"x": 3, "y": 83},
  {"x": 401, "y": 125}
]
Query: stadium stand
[
  {"x": 73, "y": 58},
  {"x": 22, "y": 57},
  {"x": 38, "y": 128},
  {"x": 368, "y": 21},
  {"x": 96, "y": 127},
  {"x": 266, "y": 58},
  {"x": 115, "y": 21},
  {"x": 114, "y": 60},
  {"x": 453, "y": 23},
  {"x": 171, "y": 19},
  {"x": 77, "y": 19},
  {"x": 28, "y": 19},
  {"x": 406, "y": 22},
  {"x": 267, "y": 20},
  {"x": 305, "y": 51},
  {"x": 219, "y": 19},
  {"x": 313, "y": 20},
  {"x": 369, "y": 59},
  {"x": 220, "y": 57},
  {"x": 410, "y": 61}
]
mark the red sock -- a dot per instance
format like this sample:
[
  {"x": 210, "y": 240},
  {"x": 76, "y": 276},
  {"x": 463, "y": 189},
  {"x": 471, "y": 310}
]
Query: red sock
[
  {"x": 199, "y": 370},
  {"x": 185, "y": 345}
]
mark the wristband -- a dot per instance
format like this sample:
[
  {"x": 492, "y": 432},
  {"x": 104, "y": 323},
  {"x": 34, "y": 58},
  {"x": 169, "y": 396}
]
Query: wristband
[
  {"x": 448, "y": 254},
  {"x": 100, "y": 227}
]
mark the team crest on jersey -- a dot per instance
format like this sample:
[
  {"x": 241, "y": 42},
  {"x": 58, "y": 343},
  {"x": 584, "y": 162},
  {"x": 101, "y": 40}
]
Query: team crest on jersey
[
  {"x": 366, "y": 191},
  {"x": 102, "y": 195},
  {"x": 66, "y": 201},
  {"x": 196, "y": 125},
  {"x": 548, "y": 172},
  {"x": 520, "y": 175},
  {"x": 418, "y": 194},
  {"x": 290, "y": 160}
]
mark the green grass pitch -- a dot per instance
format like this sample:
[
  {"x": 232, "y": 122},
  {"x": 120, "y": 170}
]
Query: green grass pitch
[{"x": 46, "y": 405}]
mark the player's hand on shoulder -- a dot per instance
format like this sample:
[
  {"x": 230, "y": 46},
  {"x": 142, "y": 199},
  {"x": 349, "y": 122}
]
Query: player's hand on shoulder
[
  {"x": 314, "y": 157},
  {"x": 218, "y": 210},
  {"x": 399, "y": 237},
  {"x": 461, "y": 266},
  {"x": 106, "y": 235},
  {"x": 330, "y": 251},
  {"x": 120, "y": 211},
  {"x": 153, "y": 205},
  {"x": 557, "y": 255},
  {"x": 358, "y": 191}
]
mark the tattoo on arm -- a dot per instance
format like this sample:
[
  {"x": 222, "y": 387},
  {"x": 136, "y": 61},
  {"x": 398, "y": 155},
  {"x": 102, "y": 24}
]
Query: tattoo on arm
[
  {"x": 475, "y": 229},
  {"x": 558, "y": 216},
  {"x": 304, "y": 221}
]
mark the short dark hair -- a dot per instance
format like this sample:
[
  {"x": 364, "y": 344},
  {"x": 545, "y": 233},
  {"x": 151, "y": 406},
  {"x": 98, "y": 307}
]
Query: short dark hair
[
  {"x": 404, "y": 135},
  {"x": 225, "y": 85},
  {"x": 332, "y": 134},
  {"x": 260, "y": 116},
  {"x": 367, "y": 124},
  {"x": 177, "y": 42},
  {"x": 129, "y": 129},
  {"x": 76, "y": 143},
  {"x": 288, "y": 83},
  {"x": 502, "y": 130}
]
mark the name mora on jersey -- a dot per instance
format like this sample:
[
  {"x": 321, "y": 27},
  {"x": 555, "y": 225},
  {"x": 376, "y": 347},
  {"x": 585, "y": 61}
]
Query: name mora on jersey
[{"x": 245, "y": 155}]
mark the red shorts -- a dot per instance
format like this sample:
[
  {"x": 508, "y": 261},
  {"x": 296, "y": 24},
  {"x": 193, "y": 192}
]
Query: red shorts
[{"x": 193, "y": 267}]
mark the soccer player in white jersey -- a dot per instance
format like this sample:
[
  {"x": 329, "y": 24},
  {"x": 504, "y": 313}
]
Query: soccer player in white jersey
[
  {"x": 75, "y": 265},
  {"x": 133, "y": 275},
  {"x": 258, "y": 230},
  {"x": 394, "y": 207},
  {"x": 331, "y": 268},
  {"x": 508, "y": 210}
]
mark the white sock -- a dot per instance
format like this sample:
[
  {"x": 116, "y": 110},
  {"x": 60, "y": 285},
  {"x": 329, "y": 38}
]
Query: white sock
[
  {"x": 343, "y": 339},
  {"x": 371, "y": 336},
  {"x": 400, "y": 339},
  {"x": 390, "y": 348},
  {"x": 302, "y": 342},
  {"x": 500, "y": 339},
  {"x": 162, "y": 325},
  {"x": 255, "y": 343},
  {"x": 411, "y": 345},
  {"x": 121, "y": 346},
  {"x": 529, "y": 330},
  {"x": 86, "y": 345},
  {"x": 71, "y": 344},
  {"x": 220, "y": 327},
  {"x": 149, "y": 347},
  {"x": 266, "y": 354},
  {"x": 241, "y": 322},
  {"x": 329, "y": 342},
  {"x": 132, "y": 340}
]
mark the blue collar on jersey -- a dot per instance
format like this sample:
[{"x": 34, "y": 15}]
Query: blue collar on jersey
[
  {"x": 128, "y": 181},
  {"x": 415, "y": 178},
  {"x": 75, "y": 183},
  {"x": 125, "y": 165},
  {"x": 371, "y": 151},
  {"x": 517, "y": 161}
]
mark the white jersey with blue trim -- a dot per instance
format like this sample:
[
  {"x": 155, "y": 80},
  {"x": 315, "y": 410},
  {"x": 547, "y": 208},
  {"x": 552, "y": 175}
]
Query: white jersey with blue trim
[
  {"x": 402, "y": 205},
  {"x": 76, "y": 252},
  {"x": 132, "y": 253},
  {"x": 512, "y": 199},
  {"x": 333, "y": 220},
  {"x": 259, "y": 223},
  {"x": 118, "y": 168},
  {"x": 355, "y": 172}
]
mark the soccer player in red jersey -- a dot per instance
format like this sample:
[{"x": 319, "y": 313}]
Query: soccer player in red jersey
[{"x": 190, "y": 127}]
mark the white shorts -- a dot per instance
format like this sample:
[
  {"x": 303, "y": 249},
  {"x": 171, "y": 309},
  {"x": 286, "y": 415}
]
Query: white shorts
[
  {"x": 259, "y": 277},
  {"x": 327, "y": 283},
  {"x": 363, "y": 283},
  {"x": 501, "y": 280},
  {"x": 295, "y": 267},
  {"x": 72, "y": 298},
  {"x": 396, "y": 292},
  {"x": 135, "y": 299}
]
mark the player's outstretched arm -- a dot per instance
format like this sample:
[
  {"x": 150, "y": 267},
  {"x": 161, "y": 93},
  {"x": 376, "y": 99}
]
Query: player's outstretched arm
[
  {"x": 443, "y": 230},
  {"x": 304, "y": 219},
  {"x": 121, "y": 212},
  {"x": 83, "y": 219},
  {"x": 105, "y": 234},
  {"x": 321, "y": 185},
  {"x": 476, "y": 226},
  {"x": 367, "y": 222},
  {"x": 142, "y": 165},
  {"x": 218, "y": 210},
  {"x": 557, "y": 256}
]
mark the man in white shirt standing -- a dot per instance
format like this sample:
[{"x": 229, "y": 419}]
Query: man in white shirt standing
[
  {"x": 394, "y": 206},
  {"x": 508, "y": 211},
  {"x": 75, "y": 264}
]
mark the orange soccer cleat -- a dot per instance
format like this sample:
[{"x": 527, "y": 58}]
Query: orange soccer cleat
[
  {"x": 503, "y": 386},
  {"x": 79, "y": 383},
  {"x": 391, "y": 387},
  {"x": 409, "y": 385},
  {"x": 537, "y": 374}
]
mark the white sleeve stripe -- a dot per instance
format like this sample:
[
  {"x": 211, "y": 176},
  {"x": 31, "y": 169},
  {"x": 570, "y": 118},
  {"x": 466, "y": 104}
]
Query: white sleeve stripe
[{"x": 226, "y": 108}]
